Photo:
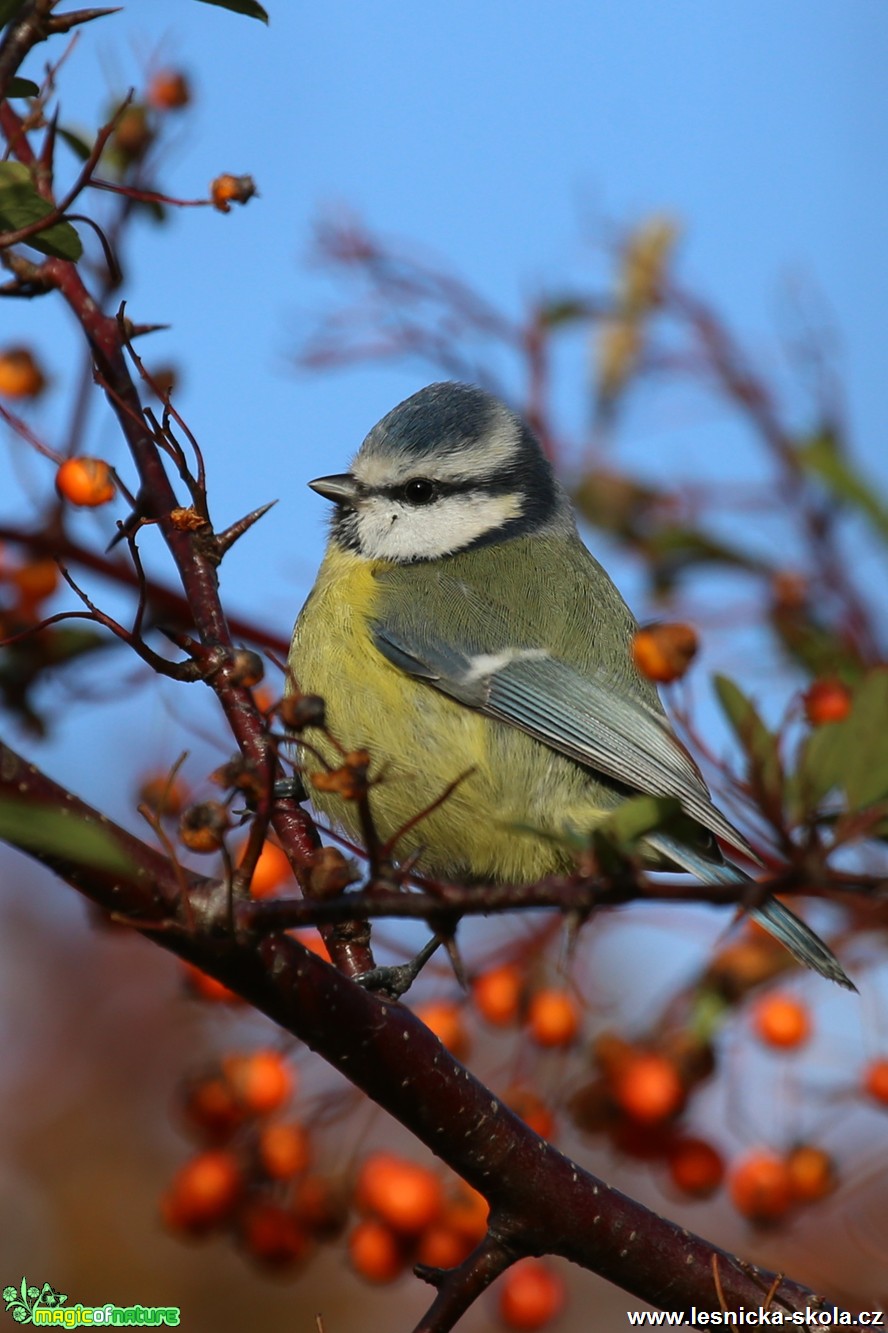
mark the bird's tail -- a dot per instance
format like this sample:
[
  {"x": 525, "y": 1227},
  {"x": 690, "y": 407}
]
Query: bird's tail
[
  {"x": 801, "y": 941},
  {"x": 772, "y": 915}
]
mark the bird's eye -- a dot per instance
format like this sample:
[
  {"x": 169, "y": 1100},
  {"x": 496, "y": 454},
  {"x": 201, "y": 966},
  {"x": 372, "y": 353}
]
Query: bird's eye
[{"x": 420, "y": 491}]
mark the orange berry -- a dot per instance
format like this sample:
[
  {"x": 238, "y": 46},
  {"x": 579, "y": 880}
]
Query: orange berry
[
  {"x": 761, "y": 1188},
  {"x": 330, "y": 873},
  {"x": 790, "y": 590},
  {"x": 664, "y": 652},
  {"x": 781, "y": 1020},
  {"x": 612, "y": 1053},
  {"x": 271, "y": 1235},
  {"x": 375, "y": 1252},
  {"x": 746, "y": 962},
  {"x": 811, "y": 1173},
  {"x": 442, "y": 1247},
  {"x": 164, "y": 795},
  {"x": 641, "y": 1140},
  {"x": 86, "y": 482},
  {"x": 695, "y": 1167},
  {"x": 263, "y": 698},
  {"x": 36, "y": 581},
  {"x": 532, "y": 1110},
  {"x": 204, "y": 1193},
  {"x": 226, "y": 190},
  {"x": 163, "y": 381},
  {"x": 828, "y": 700},
  {"x": 691, "y": 1052},
  {"x": 133, "y": 134},
  {"x": 875, "y": 1080},
  {"x": 648, "y": 1088},
  {"x": 319, "y": 1207},
  {"x": 168, "y": 90},
  {"x": 272, "y": 870},
  {"x": 530, "y": 1295},
  {"x": 591, "y": 1106},
  {"x": 466, "y": 1212},
  {"x": 498, "y": 994},
  {"x": 20, "y": 374},
  {"x": 262, "y": 1081},
  {"x": 202, "y": 827},
  {"x": 247, "y": 667},
  {"x": 553, "y": 1017},
  {"x": 407, "y": 1197},
  {"x": 350, "y": 781},
  {"x": 211, "y": 1108},
  {"x": 283, "y": 1149},
  {"x": 205, "y": 987},
  {"x": 298, "y": 711},
  {"x": 446, "y": 1021}
]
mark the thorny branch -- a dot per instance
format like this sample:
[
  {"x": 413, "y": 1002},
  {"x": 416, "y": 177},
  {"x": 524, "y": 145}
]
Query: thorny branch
[{"x": 540, "y": 1201}]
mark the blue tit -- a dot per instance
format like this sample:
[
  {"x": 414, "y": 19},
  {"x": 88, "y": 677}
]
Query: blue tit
[{"x": 460, "y": 629}]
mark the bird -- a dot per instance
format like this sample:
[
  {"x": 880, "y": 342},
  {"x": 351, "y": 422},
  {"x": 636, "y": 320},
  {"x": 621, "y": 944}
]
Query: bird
[{"x": 461, "y": 632}]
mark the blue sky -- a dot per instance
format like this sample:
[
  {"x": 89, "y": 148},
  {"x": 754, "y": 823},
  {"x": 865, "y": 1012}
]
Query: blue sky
[{"x": 506, "y": 139}]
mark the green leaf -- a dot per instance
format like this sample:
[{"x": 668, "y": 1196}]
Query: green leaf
[
  {"x": 19, "y": 87},
  {"x": 615, "y": 836},
  {"x": 638, "y": 815},
  {"x": 57, "y": 831},
  {"x": 614, "y": 840},
  {"x": 248, "y": 7},
  {"x": 709, "y": 1012},
  {"x": 75, "y": 142},
  {"x": 615, "y": 502},
  {"x": 850, "y": 756},
  {"x": 817, "y": 647},
  {"x": 21, "y": 205},
  {"x": 822, "y": 457},
  {"x": 761, "y": 746},
  {"x": 69, "y": 642},
  {"x": 564, "y": 310},
  {"x": 673, "y": 550}
]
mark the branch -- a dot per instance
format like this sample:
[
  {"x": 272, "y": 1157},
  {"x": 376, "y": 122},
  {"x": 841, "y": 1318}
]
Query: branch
[
  {"x": 540, "y": 1201},
  {"x": 166, "y": 603},
  {"x": 579, "y": 894}
]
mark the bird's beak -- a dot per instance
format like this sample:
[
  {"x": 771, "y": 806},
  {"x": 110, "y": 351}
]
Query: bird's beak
[{"x": 341, "y": 488}]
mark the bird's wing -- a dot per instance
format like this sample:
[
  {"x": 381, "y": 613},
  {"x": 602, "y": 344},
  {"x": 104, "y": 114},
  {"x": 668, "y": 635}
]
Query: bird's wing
[{"x": 584, "y": 717}]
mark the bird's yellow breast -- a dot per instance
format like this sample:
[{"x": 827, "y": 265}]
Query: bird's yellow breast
[{"x": 420, "y": 741}]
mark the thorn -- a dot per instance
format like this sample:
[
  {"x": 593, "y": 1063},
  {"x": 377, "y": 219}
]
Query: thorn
[
  {"x": 65, "y": 22},
  {"x": 456, "y": 961},
  {"x": 225, "y": 540},
  {"x": 128, "y": 527},
  {"x": 396, "y": 981},
  {"x": 137, "y": 330},
  {"x": 47, "y": 152},
  {"x": 434, "y": 1276}
]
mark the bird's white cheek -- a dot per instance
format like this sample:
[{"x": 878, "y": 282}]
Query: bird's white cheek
[
  {"x": 381, "y": 531},
  {"x": 392, "y": 531}
]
